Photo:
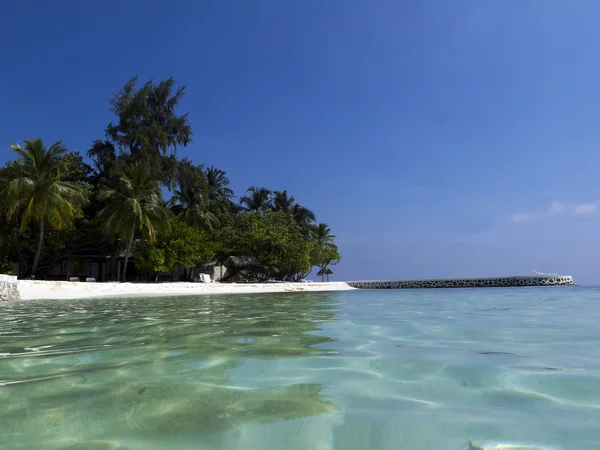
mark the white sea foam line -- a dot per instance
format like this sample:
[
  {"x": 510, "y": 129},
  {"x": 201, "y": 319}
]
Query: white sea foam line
[
  {"x": 417, "y": 400},
  {"x": 542, "y": 396},
  {"x": 33, "y": 380},
  {"x": 375, "y": 374},
  {"x": 67, "y": 351},
  {"x": 226, "y": 387},
  {"x": 507, "y": 447}
]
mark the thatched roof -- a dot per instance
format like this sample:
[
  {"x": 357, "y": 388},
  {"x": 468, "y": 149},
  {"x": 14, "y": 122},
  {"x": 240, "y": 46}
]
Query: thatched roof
[
  {"x": 236, "y": 263},
  {"x": 325, "y": 271}
]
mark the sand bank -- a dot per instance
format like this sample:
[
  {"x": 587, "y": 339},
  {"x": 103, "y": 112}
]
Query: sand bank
[{"x": 63, "y": 290}]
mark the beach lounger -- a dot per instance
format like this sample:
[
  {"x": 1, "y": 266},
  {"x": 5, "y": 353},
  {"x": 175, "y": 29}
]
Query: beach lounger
[{"x": 205, "y": 278}]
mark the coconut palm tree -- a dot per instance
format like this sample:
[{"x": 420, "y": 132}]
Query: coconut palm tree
[
  {"x": 104, "y": 156},
  {"x": 191, "y": 200},
  {"x": 321, "y": 233},
  {"x": 283, "y": 202},
  {"x": 217, "y": 182},
  {"x": 39, "y": 192},
  {"x": 194, "y": 207},
  {"x": 259, "y": 199},
  {"x": 303, "y": 217},
  {"x": 133, "y": 202}
]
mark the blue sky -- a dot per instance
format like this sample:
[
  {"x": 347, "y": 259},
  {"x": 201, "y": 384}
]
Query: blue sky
[{"x": 437, "y": 138}]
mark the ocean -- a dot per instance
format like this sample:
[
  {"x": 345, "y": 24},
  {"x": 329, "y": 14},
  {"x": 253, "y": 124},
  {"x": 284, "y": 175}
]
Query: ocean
[{"x": 398, "y": 370}]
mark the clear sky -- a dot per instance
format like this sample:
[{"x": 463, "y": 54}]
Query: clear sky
[{"x": 437, "y": 138}]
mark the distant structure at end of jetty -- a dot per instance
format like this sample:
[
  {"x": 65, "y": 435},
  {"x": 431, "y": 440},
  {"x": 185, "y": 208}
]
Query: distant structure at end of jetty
[
  {"x": 9, "y": 289},
  {"x": 541, "y": 279}
]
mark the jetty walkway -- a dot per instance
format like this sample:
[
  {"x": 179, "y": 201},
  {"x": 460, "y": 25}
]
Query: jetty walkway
[{"x": 536, "y": 280}]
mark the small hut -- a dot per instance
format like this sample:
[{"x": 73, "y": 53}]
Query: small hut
[
  {"x": 325, "y": 271},
  {"x": 241, "y": 268}
]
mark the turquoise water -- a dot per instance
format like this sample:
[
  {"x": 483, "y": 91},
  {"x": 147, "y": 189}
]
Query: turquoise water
[{"x": 410, "y": 370}]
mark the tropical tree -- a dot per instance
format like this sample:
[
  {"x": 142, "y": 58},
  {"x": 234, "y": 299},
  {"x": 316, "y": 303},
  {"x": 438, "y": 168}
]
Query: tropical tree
[
  {"x": 104, "y": 156},
  {"x": 194, "y": 207},
  {"x": 273, "y": 238},
  {"x": 191, "y": 200},
  {"x": 133, "y": 202},
  {"x": 304, "y": 217},
  {"x": 324, "y": 256},
  {"x": 39, "y": 190},
  {"x": 177, "y": 245},
  {"x": 282, "y": 202},
  {"x": 321, "y": 233},
  {"x": 218, "y": 183},
  {"x": 147, "y": 127},
  {"x": 258, "y": 200}
]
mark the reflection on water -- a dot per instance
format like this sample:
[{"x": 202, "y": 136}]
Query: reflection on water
[
  {"x": 156, "y": 368},
  {"x": 350, "y": 370}
]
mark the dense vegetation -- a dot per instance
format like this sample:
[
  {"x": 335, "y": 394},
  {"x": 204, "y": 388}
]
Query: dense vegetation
[{"x": 54, "y": 204}]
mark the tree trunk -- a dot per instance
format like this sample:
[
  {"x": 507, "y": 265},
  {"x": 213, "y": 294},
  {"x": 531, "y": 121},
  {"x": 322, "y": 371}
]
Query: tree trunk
[
  {"x": 114, "y": 276},
  {"x": 127, "y": 253},
  {"x": 113, "y": 267},
  {"x": 38, "y": 252}
]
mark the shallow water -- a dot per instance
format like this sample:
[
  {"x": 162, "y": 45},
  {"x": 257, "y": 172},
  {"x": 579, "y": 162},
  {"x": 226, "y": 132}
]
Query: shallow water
[{"x": 422, "y": 369}]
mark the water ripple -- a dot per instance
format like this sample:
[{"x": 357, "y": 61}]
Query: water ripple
[{"x": 450, "y": 369}]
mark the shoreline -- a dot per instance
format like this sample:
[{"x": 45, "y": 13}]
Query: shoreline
[{"x": 67, "y": 290}]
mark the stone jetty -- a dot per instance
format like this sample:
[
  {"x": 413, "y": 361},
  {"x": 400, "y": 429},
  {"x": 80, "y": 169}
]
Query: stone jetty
[{"x": 537, "y": 280}]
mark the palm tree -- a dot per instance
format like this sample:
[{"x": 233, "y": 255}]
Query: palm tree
[
  {"x": 321, "y": 233},
  {"x": 217, "y": 184},
  {"x": 259, "y": 199},
  {"x": 303, "y": 217},
  {"x": 133, "y": 202},
  {"x": 38, "y": 190},
  {"x": 193, "y": 206},
  {"x": 231, "y": 208},
  {"x": 104, "y": 156},
  {"x": 283, "y": 202},
  {"x": 191, "y": 200}
]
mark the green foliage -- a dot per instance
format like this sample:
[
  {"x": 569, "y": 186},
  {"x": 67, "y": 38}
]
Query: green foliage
[
  {"x": 258, "y": 200},
  {"x": 274, "y": 238},
  {"x": 282, "y": 202},
  {"x": 325, "y": 253},
  {"x": 152, "y": 260},
  {"x": 218, "y": 183},
  {"x": 133, "y": 203},
  {"x": 104, "y": 156},
  {"x": 40, "y": 190},
  {"x": 191, "y": 200},
  {"x": 189, "y": 245},
  {"x": 147, "y": 127},
  {"x": 324, "y": 256},
  {"x": 49, "y": 188},
  {"x": 76, "y": 171},
  {"x": 178, "y": 245}
]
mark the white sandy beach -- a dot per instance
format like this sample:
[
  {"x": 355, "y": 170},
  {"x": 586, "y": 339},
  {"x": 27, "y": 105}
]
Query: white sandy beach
[{"x": 64, "y": 290}]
